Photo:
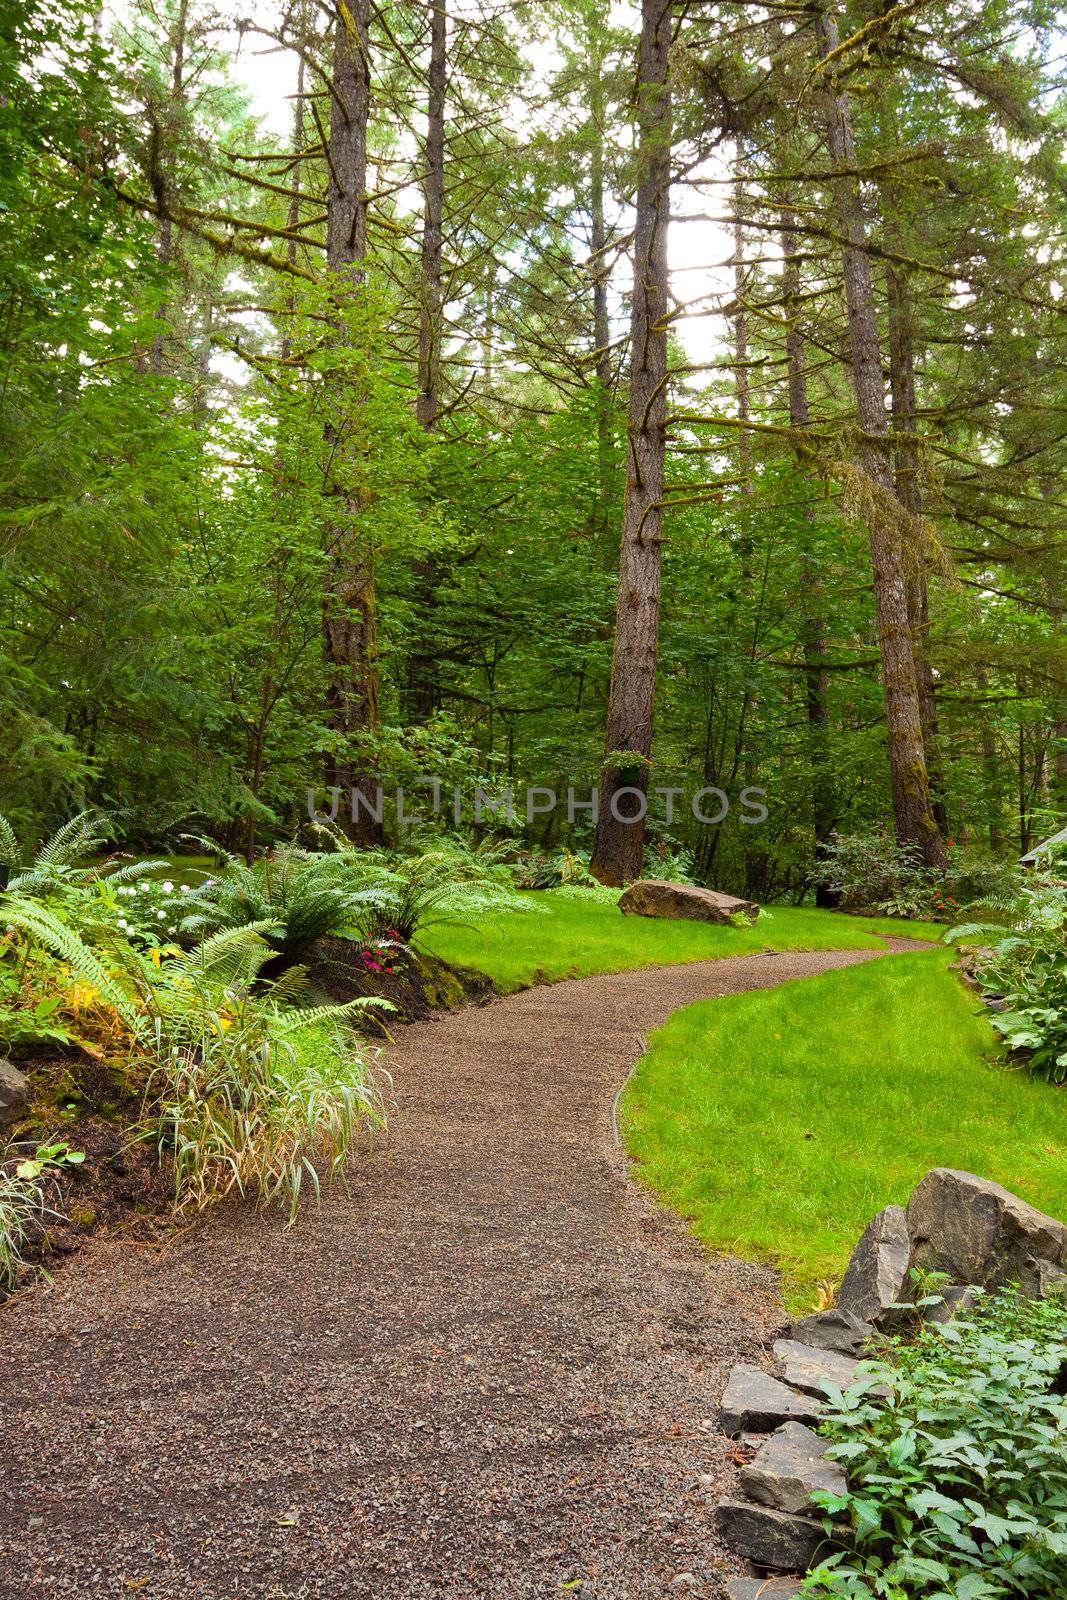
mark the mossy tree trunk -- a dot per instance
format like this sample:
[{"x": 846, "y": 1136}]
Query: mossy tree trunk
[
  {"x": 889, "y": 524},
  {"x": 619, "y": 847}
]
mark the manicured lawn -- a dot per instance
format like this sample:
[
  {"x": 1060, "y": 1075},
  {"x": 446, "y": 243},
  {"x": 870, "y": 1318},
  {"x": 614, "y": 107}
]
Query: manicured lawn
[
  {"x": 780, "y": 1122},
  {"x": 568, "y": 938}
]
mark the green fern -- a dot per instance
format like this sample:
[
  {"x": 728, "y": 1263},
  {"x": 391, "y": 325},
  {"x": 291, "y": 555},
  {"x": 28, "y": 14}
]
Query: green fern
[
  {"x": 34, "y": 919},
  {"x": 9, "y": 845}
]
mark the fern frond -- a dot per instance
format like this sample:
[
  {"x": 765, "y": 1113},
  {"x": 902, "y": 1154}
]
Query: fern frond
[
  {"x": 131, "y": 871},
  {"x": 46, "y": 929},
  {"x": 9, "y": 845},
  {"x": 297, "y": 1021},
  {"x": 75, "y": 838}
]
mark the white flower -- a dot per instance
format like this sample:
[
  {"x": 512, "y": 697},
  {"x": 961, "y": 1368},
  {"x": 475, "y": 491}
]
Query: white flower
[
  {"x": 123, "y": 923},
  {"x": 186, "y": 889},
  {"x": 161, "y": 915},
  {"x": 168, "y": 887},
  {"x": 145, "y": 888}
]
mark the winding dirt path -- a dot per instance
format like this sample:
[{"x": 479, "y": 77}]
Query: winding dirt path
[{"x": 490, "y": 1370}]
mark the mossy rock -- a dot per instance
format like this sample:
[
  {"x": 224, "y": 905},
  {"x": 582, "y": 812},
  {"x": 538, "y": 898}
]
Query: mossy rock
[{"x": 418, "y": 985}]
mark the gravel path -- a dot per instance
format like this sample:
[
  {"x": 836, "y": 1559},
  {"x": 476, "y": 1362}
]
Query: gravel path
[{"x": 490, "y": 1370}]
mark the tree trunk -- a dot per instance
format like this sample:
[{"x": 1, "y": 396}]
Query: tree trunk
[
  {"x": 812, "y": 623},
  {"x": 619, "y": 849},
  {"x": 350, "y": 613},
  {"x": 421, "y": 662},
  {"x": 909, "y": 493},
  {"x": 433, "y": 223},
  {"x": 165, "y": 240},
  {"x": 885, "y": 516},
  {"x": 602, "y": 519}
]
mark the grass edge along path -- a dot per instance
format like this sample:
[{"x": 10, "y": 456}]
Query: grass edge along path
[
  {"x": 567, "y": 936},
  {"x": 778, "y": 1122}
]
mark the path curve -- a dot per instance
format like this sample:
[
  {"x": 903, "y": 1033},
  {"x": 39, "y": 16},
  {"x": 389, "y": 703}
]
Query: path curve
[{"x": 489, "y": 1371}]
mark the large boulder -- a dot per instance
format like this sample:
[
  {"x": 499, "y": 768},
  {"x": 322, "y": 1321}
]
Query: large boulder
[
  {"x": 877, "y": 1274},
  {"x": 14, "y": 1093},
  {"x": 651, "y": 897},
  {"x": 982, "y": 1234}
]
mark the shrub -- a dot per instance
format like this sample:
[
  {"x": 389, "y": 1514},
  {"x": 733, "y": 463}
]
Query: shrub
[
  {"x": 958, "y": 1476},
  {"x": 1026, "y": 971},
  {"x": 246, "y": 1092},
  {"x": 873, "y": 872}
]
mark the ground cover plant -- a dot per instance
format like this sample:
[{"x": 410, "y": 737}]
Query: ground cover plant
[
  {"x": 581, "y": 932},
  {"x": 958, "y": 1475},
  {"x": 1022, "y": 967},
  {"x": 780, "y": 1122},
  {"x": 243, "y": 1085}
]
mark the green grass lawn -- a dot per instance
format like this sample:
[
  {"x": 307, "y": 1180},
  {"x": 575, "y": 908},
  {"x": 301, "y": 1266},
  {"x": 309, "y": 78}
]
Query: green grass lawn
[
  {"x": 780, "y": 1122},
  {"x": 570, "y": 938}
]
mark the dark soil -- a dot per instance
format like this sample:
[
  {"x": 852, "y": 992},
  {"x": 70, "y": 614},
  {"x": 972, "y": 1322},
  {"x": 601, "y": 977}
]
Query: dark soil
[
  {"x": 118, "y": 1191},
  {"x": 416, "y": 984},
  {"x": 490, "y": 1370}
]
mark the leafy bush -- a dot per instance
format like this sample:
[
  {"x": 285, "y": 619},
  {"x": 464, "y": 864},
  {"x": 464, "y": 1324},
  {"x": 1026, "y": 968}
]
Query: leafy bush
[
  {"x": 873, "y": 872},
  {"x": 1026, "y": 972},
  {"x": 958, "y": 1476},
  {"x": 246, "y": 1093}
]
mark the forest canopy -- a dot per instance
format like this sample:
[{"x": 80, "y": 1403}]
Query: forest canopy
[{"x": 655, "y": 398}]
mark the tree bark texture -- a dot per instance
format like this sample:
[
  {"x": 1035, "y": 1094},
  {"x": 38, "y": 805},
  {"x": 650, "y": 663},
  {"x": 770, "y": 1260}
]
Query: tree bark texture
[
  {"x": 619, "y": 848},
  {"x": 885, "y": 516}
]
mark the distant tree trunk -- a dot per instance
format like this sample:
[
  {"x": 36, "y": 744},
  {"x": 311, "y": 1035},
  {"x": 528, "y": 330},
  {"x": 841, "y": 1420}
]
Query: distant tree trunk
[
  {"x": 755, "y": 857},
  {"x": 601, "y": 320},
  {"x": 619, "y": 848},
  {"x": 350, "y": 613},
  {"x": 812, "y": 623},
  {"x": 1059, "y": 713},
  {"x": 165, "y": 239},
  {"x": 421, "y": 662},
  {"x": 909, "y": 493},
  {"x": 990, "y": 769},
  {"x": 433, "y": 222},
  {"x": 915, "y": 821}
]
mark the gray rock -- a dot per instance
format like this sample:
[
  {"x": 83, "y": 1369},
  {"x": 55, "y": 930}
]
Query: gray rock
[
  {"x": 14, "y": 1093},
  {"x": 651, "y": 897},
  {"x": 1050, "y": 1279},
  {"x": 770, "y": 1538},
  {"x": 956, "y": 1298},
  {"x": 810, "y": 1369},
  {"x": 979, "y": 1233},
  {"x": 877, "y": 1273},
  {"x": 756, "y": 1402},
  {"x": 762, "y": 1589},
  {"x": 788, "y": 1469},
  {"x": 833, "y": 1329}
]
